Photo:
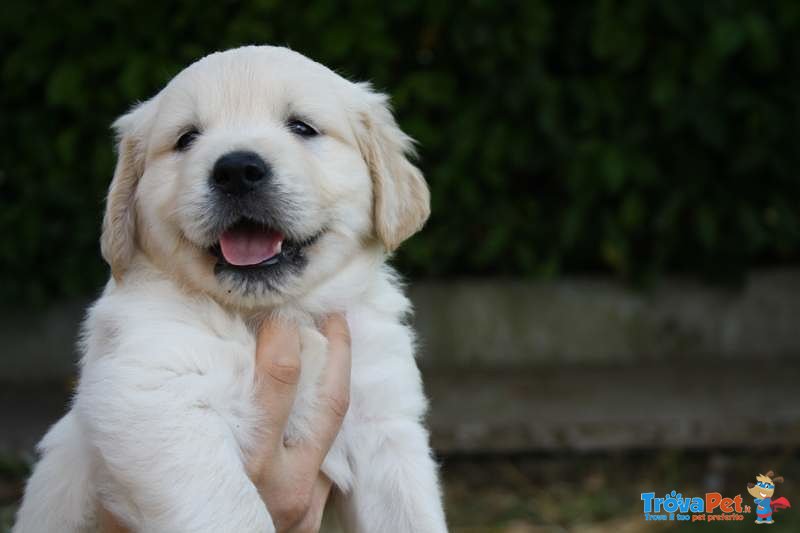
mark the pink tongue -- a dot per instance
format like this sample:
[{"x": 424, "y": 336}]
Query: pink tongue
[{"x": 250, "y": 246}]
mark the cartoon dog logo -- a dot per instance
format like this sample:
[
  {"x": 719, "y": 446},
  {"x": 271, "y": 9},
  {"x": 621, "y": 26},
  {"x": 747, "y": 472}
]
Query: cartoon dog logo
[{"x": 762, "y": 491}]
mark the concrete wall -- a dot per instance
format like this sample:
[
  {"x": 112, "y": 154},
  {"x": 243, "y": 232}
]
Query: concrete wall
[
  {"x": 510, "y": 324},
  {"x": 40, "y": 345},
  {"x": 515, "y": 324},
  {"x": 512, "y": 366}
]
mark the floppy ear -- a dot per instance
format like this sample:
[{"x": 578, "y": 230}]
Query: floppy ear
[
  {"x": 117, "y": 242},
  {"x": 401, "y": 200}
]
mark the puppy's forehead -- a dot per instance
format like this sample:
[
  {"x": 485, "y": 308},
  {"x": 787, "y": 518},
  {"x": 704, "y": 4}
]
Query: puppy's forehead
[{"x": 253, "y": 81}]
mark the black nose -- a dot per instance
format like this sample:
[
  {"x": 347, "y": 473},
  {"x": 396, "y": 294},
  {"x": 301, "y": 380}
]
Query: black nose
[{"x": 239, "y": 172}]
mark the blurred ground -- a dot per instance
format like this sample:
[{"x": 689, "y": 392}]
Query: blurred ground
[
  {"x": 601, "y": 493},
  {"x": 568, "y": 488},
  {"x": 570, "y": 493}
]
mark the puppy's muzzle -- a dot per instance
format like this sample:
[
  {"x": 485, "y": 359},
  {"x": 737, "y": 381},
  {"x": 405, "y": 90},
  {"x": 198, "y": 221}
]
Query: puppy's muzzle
[{"x": 239, "y": 173}]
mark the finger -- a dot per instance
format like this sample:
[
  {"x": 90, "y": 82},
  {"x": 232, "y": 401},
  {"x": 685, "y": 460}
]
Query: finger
[
  {"x": 277, "y": 375},
  {"x": 333, "y": 394},
  {"x": 312, "y": 521},
  {"x": 109, "y": 523}
]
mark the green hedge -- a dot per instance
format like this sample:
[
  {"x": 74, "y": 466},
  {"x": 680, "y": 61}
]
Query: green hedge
[{"x": 633, "y": 137}]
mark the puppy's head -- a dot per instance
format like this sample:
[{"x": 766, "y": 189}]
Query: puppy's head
[{"x": 256, "y": 174}]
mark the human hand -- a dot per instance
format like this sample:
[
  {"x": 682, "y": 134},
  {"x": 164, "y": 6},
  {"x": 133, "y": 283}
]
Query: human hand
[{"x": 289, "y": 477}]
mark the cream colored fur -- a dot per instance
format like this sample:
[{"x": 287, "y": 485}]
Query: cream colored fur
[{"x": 163, "y": 419}]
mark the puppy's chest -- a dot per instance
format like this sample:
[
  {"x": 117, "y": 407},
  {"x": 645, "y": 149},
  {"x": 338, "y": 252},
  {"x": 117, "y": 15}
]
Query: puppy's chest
[
  {"x": 244, "y": 414},
  {"x": 235, "y": 372}
]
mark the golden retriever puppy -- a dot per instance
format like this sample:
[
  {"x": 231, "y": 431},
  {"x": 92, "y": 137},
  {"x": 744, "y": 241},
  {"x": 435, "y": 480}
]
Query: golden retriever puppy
[{"x": 256, "y": 183}]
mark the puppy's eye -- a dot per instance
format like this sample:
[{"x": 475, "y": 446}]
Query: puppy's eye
[
  {"x": 186, "y": 140},
  {"x": 298, "y": 127}
]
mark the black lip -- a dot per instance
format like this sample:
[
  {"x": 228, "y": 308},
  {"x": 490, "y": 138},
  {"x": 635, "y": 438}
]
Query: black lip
[{"x": 291, "y": 254}]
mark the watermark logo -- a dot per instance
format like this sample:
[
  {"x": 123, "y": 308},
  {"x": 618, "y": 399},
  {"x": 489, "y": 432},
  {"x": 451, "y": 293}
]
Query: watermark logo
[
  {"x": 762, "y": 491},
  {"x": 710, "y": 507},
  {"x": 714, "y": 507}
]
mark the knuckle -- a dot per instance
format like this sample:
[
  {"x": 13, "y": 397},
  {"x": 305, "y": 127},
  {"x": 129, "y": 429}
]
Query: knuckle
[
  {"x": 285, "y": 369},
  {"x": 337, "y": 328},
  {"x": 338, "y": 404}
]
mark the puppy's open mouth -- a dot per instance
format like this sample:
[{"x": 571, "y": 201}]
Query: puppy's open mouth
[{"x": 249, "y": 244}]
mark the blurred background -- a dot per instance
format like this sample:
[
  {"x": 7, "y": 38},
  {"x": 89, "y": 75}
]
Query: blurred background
[{"x": 607, "y": 291}]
